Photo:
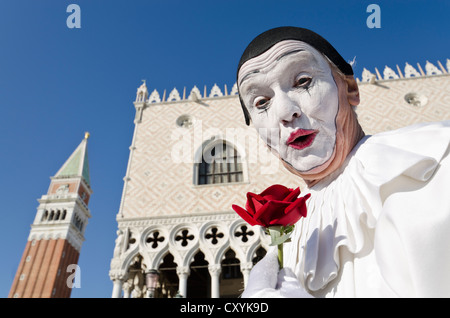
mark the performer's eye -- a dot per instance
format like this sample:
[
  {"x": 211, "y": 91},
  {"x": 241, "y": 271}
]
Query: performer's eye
[
  {"x": 303, "y": 81},
  {"x": 261, "y": 102}
]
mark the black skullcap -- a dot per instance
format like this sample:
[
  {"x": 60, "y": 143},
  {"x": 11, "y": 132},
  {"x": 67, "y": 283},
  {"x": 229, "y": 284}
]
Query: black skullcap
[{"x": 267, "y": 39}]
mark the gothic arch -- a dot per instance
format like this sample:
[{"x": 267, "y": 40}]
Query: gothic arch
[
  {"x": 184, "y": 242},
  {"x": 214, "y": 251},
  {"x": 158, "y": 259},
  {"x": 128, "y": 259},
  {"x": 244, "y": 239},
  {"x": 254, "y": 248},
  {"x": 230, "y": 261},
  {"x": 212, "y": 142},
  {"x": 154, "y": 244},
  {"x": 197, "y": 282}
]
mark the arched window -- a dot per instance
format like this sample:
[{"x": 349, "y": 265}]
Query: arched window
[
  {"x": 44, "y": 216},
  {"x": 259, "y": 254},
  {"x": 197, "y": 282},
  {"x": 230, "y": 266},
  {"x": 231, "y": 276},
  {"x": 221, "y": 163},
  {"x": 168, "y": 279}
]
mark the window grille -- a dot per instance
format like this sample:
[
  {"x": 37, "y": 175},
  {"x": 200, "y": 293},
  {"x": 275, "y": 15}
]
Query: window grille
[{"x": 222, "y": 165}]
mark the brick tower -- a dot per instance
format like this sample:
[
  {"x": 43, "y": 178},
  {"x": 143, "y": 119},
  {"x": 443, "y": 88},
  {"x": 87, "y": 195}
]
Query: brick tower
[{"x": 47, "y": 267}]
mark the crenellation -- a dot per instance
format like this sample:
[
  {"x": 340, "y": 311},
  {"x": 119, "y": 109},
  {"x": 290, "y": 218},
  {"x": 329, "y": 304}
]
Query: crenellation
[{"x": 366, "y": 76}]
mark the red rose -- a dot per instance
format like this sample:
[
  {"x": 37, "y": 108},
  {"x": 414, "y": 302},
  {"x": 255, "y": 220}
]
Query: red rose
[{"x": 277, "y": 205}]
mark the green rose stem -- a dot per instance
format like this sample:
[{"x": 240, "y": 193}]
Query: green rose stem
[
  {"x": 280, "y": 255},
  {"x": 279, "y": 235}
]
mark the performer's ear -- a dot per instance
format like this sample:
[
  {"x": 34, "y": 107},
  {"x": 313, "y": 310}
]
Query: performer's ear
[{"x": 352, "y": 90}]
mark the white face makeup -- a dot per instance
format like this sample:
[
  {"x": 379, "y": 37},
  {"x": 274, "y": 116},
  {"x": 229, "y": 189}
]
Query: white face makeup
[{"x": 292, "y": 99}]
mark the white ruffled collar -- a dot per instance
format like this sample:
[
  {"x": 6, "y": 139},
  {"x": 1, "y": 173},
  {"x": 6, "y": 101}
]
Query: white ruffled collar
[{"x": 344, "y": 207}]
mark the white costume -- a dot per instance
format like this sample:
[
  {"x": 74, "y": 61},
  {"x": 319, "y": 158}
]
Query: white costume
[{"x": 380, "y": 225}]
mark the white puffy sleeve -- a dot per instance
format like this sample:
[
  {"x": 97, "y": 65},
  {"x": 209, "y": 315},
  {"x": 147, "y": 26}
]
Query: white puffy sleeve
[{"x": 388, "y": 213}]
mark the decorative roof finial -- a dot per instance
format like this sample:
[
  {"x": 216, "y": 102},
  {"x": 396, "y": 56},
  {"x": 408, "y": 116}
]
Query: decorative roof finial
[{"x": 86, "y": 135}]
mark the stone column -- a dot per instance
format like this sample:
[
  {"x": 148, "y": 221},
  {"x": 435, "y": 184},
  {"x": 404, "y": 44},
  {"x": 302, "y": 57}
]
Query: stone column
[
  {"x": 117, "y": 288},
  {"x": 245, "y": 269},
  {"x": 118, "y": 277},
  {"x": 214, "y": 271},
  {"x": 183, "y": 274},
  {"x": 127, "y": 288}
]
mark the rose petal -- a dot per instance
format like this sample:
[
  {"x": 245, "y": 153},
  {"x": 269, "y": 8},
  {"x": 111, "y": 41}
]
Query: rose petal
[
  {"x": 244, "y": 214},
  {"x": 295, "y": 211},
  {"x": 293, "y": 195},
  {"x": 275, "y": 192},
  {"x": 257, "y": 205},
  {"x": 251, "y": 198},
  {"x": 277, "y": 205},
  {"x": 295, "y": 204},
  {"x": 292, "y": 217},
  {"x": 272, "y": 210}
]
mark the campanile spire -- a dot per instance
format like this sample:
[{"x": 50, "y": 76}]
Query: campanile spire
[{"x": 57, "y": 233}]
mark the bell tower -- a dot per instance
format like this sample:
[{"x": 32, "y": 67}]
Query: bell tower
[{"x": 48, "y": 264}]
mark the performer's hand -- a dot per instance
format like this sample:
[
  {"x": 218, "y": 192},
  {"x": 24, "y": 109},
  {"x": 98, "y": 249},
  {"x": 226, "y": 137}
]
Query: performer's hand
[{"x": 266, "y": 280}]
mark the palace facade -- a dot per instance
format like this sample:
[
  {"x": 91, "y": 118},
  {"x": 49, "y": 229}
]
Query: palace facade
[{"x": 192, "y": 157}]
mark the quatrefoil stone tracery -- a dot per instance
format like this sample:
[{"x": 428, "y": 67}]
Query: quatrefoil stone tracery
[
  {"x": 185, "y": 237},
  {"x": 244, "y": 233},
  {"x": 155, "y": 239},
  {"x": 214, "y": 236}
]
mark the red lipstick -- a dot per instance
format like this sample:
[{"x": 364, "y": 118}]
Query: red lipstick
[{"x": 301, "y": 138}]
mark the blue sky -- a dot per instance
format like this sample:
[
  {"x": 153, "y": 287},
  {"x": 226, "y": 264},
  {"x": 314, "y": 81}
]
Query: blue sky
[{"x": 56, "y": 83}]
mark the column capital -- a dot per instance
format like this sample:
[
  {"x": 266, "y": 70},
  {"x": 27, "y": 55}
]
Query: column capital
[
  {"x": 183, "y": 271},
  {"x": 214, "y": 269},
  {"x": 246, "y": 266},
  {"x": 118, "y": 274}
]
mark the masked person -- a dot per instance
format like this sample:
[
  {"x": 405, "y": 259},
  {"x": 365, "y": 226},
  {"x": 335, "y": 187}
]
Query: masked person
[{"x": 378, "y": 221}]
